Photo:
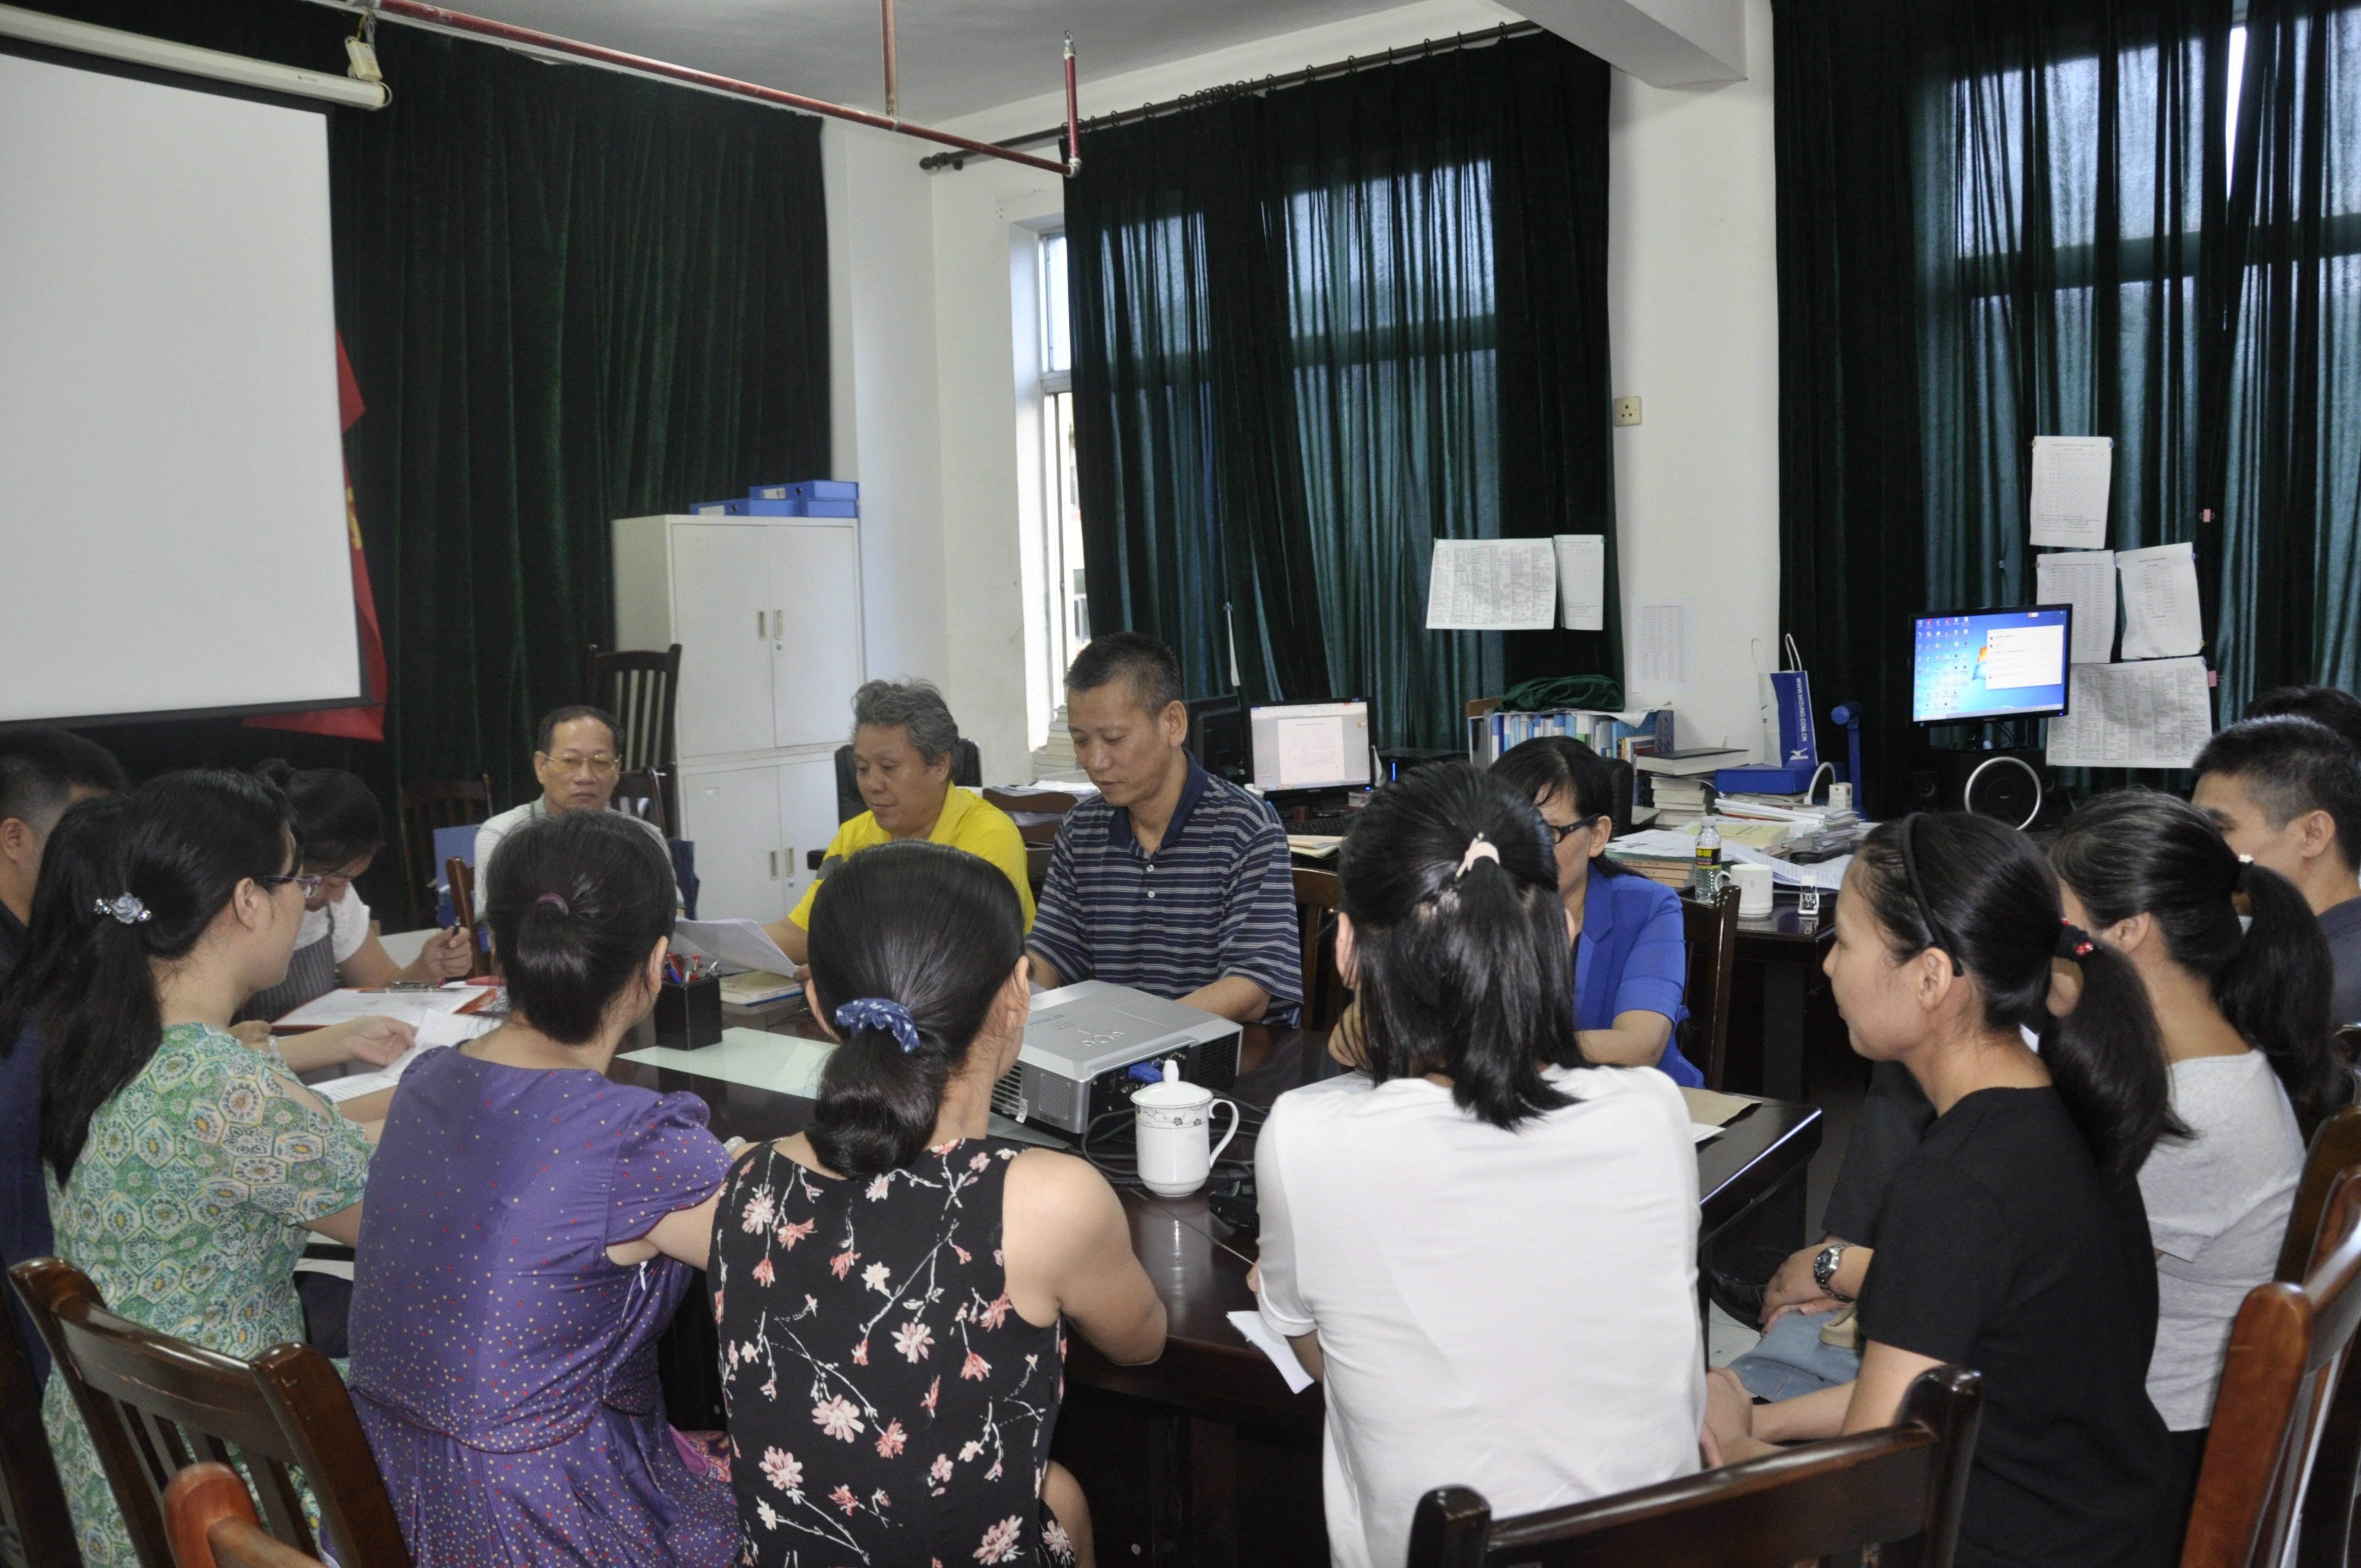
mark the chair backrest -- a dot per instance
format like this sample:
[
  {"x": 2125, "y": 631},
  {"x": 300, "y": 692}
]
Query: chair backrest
[
  {"x": 32, "y": 1500},
  {"x": 209, "y": 1515},
  {"x": 642, "y": 688},
  {"x": 2288, "y": 1347},
  {"x": 640, "y": 794},
  {"x": 967, "y": 768},
  {"x": 154, "y": 1405},
  {"x": 1315, "y": 923},
  {"x": 426, "y": 805},
  {"x": 462, "y": 878},
  {"x": 2331, "y": 1522},
  {"x": 1712, "y": 933},
  {"x": 2335, "y": 1147},
  {"x": 1036, "y": 813},
  {"x": 1899, "y": 1488}
]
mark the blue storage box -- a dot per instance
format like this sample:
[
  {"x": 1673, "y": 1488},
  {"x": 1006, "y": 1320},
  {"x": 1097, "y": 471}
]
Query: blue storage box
[
  {"x": 1762, "y": 780},
  {"x": 828, "y": 509},
  {"x": 808, "y": 490},
  {"x": 750, "y": 507}
]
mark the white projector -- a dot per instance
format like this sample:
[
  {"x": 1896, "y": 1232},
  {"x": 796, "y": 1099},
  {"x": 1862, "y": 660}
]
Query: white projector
[{"x": 1083, "y": 1040}]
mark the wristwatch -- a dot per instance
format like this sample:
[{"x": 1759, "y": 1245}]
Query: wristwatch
[{"x": 1825, "y": 1264}]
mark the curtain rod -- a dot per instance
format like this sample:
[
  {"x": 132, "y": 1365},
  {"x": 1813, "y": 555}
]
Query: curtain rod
[
  {"x": 1309, "y": 75},
  {"x": 532, "y": 40}
]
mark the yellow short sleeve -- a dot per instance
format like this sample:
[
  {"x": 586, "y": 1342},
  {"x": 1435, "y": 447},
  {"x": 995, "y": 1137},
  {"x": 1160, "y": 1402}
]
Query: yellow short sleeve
[{"x": 849, "y": 838}]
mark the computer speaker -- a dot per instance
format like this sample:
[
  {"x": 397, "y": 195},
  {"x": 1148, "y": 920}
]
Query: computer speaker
[{"x": 2012, "y": 784}]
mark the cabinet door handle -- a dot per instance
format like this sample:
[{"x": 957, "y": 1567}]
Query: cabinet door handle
[
  {"x": 778, "y": 623},
  {"x": 775, "y": 865},
  {"x": 758, "y": 624}
]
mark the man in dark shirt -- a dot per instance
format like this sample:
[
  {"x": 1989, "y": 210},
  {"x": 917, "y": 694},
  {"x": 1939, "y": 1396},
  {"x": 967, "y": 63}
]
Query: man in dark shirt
[
  {"x": 2286, "y": 790},
  {"x": 42, "y": 773}
]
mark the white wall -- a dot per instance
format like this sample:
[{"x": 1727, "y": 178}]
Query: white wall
[
  {"x": 935, "y": 378},
  {"x": 1692, "y": 307}
]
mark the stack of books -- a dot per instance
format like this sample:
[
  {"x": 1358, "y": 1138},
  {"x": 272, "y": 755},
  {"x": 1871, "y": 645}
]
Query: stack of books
[
  {"x": 1629, "y": 735},
  {"x": 1681, "y": 786},
  {"x": 1659, "y": 865}
]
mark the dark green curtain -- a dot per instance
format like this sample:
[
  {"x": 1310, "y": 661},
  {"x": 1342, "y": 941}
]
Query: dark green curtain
[
  {"x": 568, "y": 296},
  {"x": 2292, "y": 480},
  {"x": 1289, "y": 378},
  {"x": 1998, "y": 219}
]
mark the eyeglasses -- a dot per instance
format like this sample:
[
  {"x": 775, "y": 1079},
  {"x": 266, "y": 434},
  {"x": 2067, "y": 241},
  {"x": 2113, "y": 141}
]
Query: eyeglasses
[
  {"x": 599, "y": 762},
  {"x": 1559, "y": 835},
  {"x": 308, "y": 882}
]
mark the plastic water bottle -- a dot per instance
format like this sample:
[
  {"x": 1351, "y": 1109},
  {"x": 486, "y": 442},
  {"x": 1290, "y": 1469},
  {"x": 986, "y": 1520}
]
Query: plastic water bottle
[{"x": 1708, "y": 858}]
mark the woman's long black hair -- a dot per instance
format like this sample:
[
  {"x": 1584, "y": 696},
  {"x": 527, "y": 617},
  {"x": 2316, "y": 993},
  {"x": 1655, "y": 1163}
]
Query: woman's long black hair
[
  {"x": 1983, "y": 893},
  {"x": 2137, "y": 851},
  {"x": 576, "y": 904},
  {"x": 336, "y": 817},
  {"x": 1551, "y": 765},
  {"x": 934, "y": 930},
  {"x": 1461, "y": 971},
  {"x": 180, "y": 845}
]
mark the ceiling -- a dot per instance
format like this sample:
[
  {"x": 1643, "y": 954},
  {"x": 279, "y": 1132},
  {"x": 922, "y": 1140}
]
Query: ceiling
[{"x": 957, "y": 56}]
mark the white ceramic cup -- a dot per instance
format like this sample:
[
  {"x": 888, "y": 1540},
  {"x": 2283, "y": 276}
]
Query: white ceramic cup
[
  {"x": 1172, "y": 1126},
  {"x": 1754, "y": 885}
]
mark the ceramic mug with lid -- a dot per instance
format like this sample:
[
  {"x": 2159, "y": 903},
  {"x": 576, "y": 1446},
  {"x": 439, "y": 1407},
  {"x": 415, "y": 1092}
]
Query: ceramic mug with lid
[{"x": 1173, "y": 1128}]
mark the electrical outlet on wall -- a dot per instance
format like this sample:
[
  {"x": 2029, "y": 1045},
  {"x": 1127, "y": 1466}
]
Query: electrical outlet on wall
[{"x": 1627, "y": 410}]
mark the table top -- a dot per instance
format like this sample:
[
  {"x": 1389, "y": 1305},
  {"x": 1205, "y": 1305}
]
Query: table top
[{"x": 1199, "y": 1264}]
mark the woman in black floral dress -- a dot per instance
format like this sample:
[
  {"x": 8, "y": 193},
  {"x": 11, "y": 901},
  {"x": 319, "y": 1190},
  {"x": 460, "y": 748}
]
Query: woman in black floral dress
[{"x": 892, "y": 1286}]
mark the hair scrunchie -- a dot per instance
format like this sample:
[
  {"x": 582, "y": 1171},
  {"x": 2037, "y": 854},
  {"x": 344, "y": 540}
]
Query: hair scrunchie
[
  {"x": 2074, "y": 944},
  {"x": 559, "y": 903},
  {"x": 880, "y": 1012},
  {"x": 1479, "y": 848},
  {"x": 2245, "y": 886}
]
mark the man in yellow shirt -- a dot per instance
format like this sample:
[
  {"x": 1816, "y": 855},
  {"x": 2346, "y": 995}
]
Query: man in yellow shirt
[{"x": 904, "y": 739}]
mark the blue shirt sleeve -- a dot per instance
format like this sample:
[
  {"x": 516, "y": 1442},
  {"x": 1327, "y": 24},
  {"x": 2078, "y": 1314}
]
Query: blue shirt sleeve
[
  {"x": 1258, "y": 938},
  {"x": 1656, "y": 965},
  {"x": 1060, "y": 935}
]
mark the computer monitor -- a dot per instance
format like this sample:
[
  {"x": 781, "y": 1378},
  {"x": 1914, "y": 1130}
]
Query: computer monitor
[
  {"x": 1217, "y": 736},
  {"x": 1310, "y": 745},
  {"x": 1991, "y": 663}
]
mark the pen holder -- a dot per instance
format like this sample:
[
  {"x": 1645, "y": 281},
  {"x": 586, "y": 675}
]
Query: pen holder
[{"x": 688, "y": 1013}]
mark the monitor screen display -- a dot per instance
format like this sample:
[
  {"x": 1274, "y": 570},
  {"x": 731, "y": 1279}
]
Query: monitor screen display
[
  {"x": 1311, "y": 745},
  {"x": 1991, "y": 663}
]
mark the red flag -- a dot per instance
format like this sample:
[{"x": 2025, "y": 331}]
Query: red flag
[{"x": 352, "y": 723}]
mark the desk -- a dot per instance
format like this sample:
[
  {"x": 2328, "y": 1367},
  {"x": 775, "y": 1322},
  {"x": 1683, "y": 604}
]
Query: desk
[{"x": 1174, "y": 1455}]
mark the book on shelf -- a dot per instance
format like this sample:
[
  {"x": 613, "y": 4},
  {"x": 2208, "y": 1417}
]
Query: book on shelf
[{"x": 1627, "y": 735}]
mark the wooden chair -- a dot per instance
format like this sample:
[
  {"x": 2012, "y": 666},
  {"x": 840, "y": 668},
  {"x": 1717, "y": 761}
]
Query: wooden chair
[
  {"x": 640, "y": 794},
  {"x": 426, "y": 805},
  {"x": 209, "y": 1515},
  {"x": 641, "y": 687},
  {"x": 32, "y": 1500},
  {"x": 2288, "y": 1351},
  {"x": 154, "y": 1404},
  {"x": 2336, "y": 1148},
  {"x": 463, "y": 911},
  {"x": 1036, "y": 815},
  {"x": 1315, "y": 923},
  {"x": 1712, "y": 933},
  {"x": 1903, "y": 1485},
  {"x": 2331, "y": 1522}
]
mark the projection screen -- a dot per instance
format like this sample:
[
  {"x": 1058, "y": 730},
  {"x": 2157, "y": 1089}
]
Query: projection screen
[{"x": 172, "y": 535}]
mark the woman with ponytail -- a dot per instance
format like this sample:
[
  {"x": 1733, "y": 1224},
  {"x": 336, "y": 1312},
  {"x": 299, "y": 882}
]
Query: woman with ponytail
[
  {"x": 531, "y": 1226},
  {"x": 184, "y": 1168},
  {"x": 2244, "y": 1020},
  {"x": 893, "y": 1283},
  {"x": 2013, "y": 1240},
  {"x": 1483, "y": 1245}
]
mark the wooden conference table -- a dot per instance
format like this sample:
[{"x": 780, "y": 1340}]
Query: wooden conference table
[{"x": 1203, "y": 1456}]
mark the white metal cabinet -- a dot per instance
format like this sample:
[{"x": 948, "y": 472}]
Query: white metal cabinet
[
  {"x": 807, "y": 813},
  {"x": 819, "y": 657},
  {"x": 728, "y": 623},
  {"x": 732, "y": 816}
]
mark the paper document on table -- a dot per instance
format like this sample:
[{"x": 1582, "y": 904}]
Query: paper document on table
[
  {"x": 1492, "y": 584},
  {"x": 411, "y": 1007},
  {"x": 2153, "y": 714},
  {"x": 1664, "y": 645},
  {"x": 436, "y": 1035},
  {"x": 1826, "y": 875},
  {"x": 1711, "y": 1108},
  {"x": 1581, "y": 580},
  {"x": 2085, "y": 579},
  {"x": 1282, "y": 1355},
  {"x": 733, "y": 941},
  {"x": 1318, "y": 846},
  {"x": 784, "y": 1064},
  {"x": 2160, "y": 619},
  {"x": 2070, "y": 475}
]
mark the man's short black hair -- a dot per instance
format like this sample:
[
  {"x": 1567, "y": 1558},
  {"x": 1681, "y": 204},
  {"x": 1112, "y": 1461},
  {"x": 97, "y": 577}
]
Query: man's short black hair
[
  {"x": 568, "y": 715},
  {"x": 1153, "y": 670},
  {"x": 2331, "y": 705},
  {"x": 40, "y": 768},
  {"x": 2290, "y": 765}
]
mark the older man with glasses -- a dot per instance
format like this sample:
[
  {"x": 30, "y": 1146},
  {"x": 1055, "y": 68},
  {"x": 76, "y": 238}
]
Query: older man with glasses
[{"x": 577, "y": 760}]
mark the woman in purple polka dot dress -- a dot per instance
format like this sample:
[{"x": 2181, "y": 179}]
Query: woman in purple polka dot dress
[
  {"x": 532, "y": 1226},
  {"x": 893, "y": 1285}
]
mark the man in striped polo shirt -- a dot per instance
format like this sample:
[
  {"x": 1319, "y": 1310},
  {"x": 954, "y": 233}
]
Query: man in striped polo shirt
[{"x": 1169, "y": 880}]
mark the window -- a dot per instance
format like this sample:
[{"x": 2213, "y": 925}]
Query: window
[{"x": 1065, "y": 623}]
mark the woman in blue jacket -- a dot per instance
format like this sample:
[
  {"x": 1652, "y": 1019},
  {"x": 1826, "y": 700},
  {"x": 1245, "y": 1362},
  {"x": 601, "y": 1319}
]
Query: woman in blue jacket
[{"x": 1630, "y": 956}]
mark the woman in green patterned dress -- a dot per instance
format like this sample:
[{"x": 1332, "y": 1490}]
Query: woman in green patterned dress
[{"x": 185, "y": 1166}]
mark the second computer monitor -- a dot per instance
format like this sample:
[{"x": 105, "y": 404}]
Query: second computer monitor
[
  {"x": 1310, "y": 745},
  {"x": 1991, "y": 663}
]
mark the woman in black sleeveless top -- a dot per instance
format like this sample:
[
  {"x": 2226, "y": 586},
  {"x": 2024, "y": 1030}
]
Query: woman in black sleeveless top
[{"x": 892, "y": 1286}]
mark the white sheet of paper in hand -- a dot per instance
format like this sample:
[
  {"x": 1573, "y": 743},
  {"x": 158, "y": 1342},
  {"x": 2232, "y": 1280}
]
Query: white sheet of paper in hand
[
  {"x": 1281, "y": 1353},
  {"x": 1492, "y": 584},
  {"x": 1581, "y": 580},
  {"x": 2071, "y": 477},
  {"x": 732, "y": 941},
  {"x": 2085, "y": 579},
  {"x": 2160, "y": 618}
]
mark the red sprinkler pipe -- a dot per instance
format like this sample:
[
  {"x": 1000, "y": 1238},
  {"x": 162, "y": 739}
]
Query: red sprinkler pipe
[{"x": 506, "y": 32}]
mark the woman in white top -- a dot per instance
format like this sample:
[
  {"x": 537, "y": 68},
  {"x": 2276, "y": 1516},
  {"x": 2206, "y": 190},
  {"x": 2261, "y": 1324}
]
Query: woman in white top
[
  {"x": 2245, "y": 1021},
  {"x": 1484, "y": 1246}
]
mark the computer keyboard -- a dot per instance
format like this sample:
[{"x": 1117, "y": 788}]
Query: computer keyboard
[{"x": 1334, "y": 827}]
